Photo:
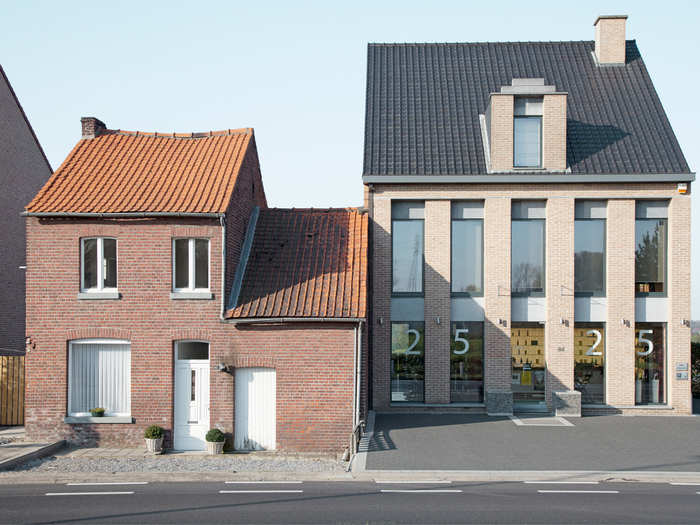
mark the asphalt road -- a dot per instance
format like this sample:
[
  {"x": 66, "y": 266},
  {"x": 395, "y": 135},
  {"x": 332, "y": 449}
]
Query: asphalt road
[{"x": 351, "y": 502}]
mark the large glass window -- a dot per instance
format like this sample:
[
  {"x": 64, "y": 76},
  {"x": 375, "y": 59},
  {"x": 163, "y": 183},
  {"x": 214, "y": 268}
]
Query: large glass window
[
  {"x": 99, "y": 376},
  {"x": 589, "y": 362},
  {"x": 528, "y": 364},
  {"x": 468, "y": 248},
  {"x": 650, "y": 364},
  {"x": 467, "y": 362},
  {"x": 98, "y": 264},
  {"x": 589, "y": 248},
  {"x": 527, "y": 133},
  {"x": 528, "y": 248},
  {"x": 191, "y": 264},
  {"x": 407, "y": 361},
  {"x": 407, "y": 247},
  {"x": 650, "y": 248}
]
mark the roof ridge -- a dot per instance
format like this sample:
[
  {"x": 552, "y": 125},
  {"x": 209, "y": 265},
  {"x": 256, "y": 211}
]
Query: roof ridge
[
  {"x": 481, "y": 43},
  {"x": 174, "y": 135}
]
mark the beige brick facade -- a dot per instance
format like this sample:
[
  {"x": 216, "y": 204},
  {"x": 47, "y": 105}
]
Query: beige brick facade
[
  {"x": 501, "y": 134},
  {"x": 437, "y": 287},
  {"x": 559, "y": 337},
  {"x": 554, "y": 132}
]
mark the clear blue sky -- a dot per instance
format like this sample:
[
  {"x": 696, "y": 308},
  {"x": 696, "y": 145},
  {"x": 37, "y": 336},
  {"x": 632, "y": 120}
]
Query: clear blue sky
[{"x": 294, "y": 71}]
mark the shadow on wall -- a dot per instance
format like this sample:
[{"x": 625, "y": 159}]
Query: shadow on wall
[{"x": 589, "y": 139}]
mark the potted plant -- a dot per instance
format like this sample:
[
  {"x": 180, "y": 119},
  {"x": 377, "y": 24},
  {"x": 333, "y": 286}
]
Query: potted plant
[
  {"x": 154, "y": 439},
  {"x": 215, "y": 441},
  {"x": 97, "y": 412}
]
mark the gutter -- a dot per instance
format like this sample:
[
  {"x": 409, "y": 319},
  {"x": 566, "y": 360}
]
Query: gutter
[
  {"x": 222, "y": 221},
  {"x": 125, "y": 215},
  {"x": 528, "y": 177}
]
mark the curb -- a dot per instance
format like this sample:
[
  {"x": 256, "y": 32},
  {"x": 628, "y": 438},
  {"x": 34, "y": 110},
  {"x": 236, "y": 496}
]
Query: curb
[{"x": 40, "y": 452}]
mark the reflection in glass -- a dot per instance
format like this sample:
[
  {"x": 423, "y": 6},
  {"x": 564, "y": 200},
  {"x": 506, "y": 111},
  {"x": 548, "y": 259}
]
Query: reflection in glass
[
  {"x": 527, "y": 144},
  {"x": 182, "y": 263},
  {"x": 201, "y": 263},
  {"x": 89, "y": 263},
  {"x": 527, "y": 256},
  {"x": 650, "y": 361},
  {"x": 407, "y": 252},
  {"x": 650, "y": 255},
  {"x": 528, "y": 363},
  {"x": 589, "y": 256},
  {"x": 589, "y": 367},
  {"x": 467, "y": 363},
  {"x": 407, "y": 361},
  {"x": 467, "y": 256},
  {"x": 109, "y": 263},
  {"x": 188, "y": 350}
]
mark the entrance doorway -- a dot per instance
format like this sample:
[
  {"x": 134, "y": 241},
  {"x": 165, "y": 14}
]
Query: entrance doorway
[
  {"x": 256, "y": 409},
  {"x": 191, "y": 395},
  {"x": 528, "y": 367}
]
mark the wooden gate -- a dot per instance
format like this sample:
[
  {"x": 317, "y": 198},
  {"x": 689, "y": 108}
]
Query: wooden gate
[{"x": 11, "y": 390}]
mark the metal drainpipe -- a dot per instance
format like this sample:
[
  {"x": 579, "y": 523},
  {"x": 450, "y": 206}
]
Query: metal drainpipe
[{"x": 358, "y": 372}]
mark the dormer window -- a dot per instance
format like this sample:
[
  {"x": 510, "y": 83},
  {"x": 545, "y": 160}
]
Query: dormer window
[{"x": 527, "y": 132}]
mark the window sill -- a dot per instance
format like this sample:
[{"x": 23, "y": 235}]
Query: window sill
[
  {"x": 78, "y": 420},
  {"x": 98, "y": 295},
  {"x": 191, "y": 295}
]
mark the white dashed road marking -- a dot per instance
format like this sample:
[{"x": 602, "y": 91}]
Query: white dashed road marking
[
  {"x": 87, "y": 493},
  {"x": 578, "y": 491}
]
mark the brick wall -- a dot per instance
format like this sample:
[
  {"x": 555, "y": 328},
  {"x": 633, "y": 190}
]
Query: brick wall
[
  {"x": 501, "y": 137},
  {"x": 313, "y": 361},
  {"x": 561, "y": 198},
  {"x": 554, "y": 132},
  {"x": 610, "y": 40}
]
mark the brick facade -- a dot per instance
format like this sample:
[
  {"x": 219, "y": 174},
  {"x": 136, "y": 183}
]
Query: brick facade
[
  {"x": 610, "y": 39},
  {"x": 559, "y": 300},
  {"x": 314, "y": 362}
]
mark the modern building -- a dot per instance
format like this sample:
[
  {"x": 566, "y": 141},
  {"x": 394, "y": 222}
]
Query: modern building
[
  {"x": 530, "y": 229},
  {"x": 161, "y": 288},
  {"x": 24, "y": 168}
]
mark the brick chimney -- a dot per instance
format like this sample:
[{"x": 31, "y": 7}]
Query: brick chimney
[
  {"x": 610, "y": 39},
  {"x": 92, "y": 127}
]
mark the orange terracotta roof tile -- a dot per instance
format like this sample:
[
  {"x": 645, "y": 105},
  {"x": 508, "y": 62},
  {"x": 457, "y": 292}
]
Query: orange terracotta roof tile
[
  {"x": 306, "y": 263},
  {"x": 136, "y": 172}
]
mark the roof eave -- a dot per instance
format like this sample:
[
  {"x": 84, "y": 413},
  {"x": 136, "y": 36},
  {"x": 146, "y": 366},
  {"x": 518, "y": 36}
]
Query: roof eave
[
  {"x": 278, "y": 320},
  {"x": 530, "y": 177},
  {"x": 125, "y": 215}
]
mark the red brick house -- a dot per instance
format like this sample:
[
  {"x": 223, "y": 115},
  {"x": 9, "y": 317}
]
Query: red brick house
[{"x": 161, "y": 288}]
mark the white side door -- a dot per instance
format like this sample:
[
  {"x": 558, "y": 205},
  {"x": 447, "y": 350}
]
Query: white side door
[
  {"x": 256, "y": 409},
  {"x": 191, "y": 404}
]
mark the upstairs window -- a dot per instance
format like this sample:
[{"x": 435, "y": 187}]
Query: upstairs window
[
  {"x": 589, "y": 248},
  {"x": 468, "y": 248},
  {"x": 528, "y": 248},
  {"x": 651, "y": 235},
  {"x": 407, "y": 247},
  {"x": 527, "y": 132},
  {"x": 98, "y": 262},
  {"x": 190, "y": 265}
]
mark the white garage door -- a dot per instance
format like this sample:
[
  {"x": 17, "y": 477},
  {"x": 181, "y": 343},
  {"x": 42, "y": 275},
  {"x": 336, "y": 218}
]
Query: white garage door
[{"x": 256, "y": 409}]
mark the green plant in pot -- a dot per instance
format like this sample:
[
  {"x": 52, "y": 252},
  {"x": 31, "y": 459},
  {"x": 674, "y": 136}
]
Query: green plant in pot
[
  {"x": 215, "y": 441},
  {"x": 97, "y": 412},
  {"x": 154, "y": 439}
]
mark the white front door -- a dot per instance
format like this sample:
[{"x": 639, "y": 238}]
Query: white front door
[
  {"x": 256, "y": 409},
  {"x": 191, "y": 396}
]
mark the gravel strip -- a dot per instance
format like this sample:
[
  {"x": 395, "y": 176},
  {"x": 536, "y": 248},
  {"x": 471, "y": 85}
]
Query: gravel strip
[{"x": 224, "y": 463}]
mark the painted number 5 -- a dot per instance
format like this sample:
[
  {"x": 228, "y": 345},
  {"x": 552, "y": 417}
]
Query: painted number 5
[
  {"x": 410, "y": 350},
  {"x": 462, "y": 340},
  {"x": 598, "y": 337},
  {"x": 644, "y": 340}
]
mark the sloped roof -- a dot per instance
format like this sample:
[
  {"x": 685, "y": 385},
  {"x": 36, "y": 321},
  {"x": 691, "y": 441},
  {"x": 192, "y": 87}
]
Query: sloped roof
[
  {"x": 132, "y": 172},
  {"x": 424, "y": 101},
  {"x": 306, "y": 263}
]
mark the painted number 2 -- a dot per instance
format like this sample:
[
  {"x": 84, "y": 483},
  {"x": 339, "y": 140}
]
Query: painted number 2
[
  {"x": 410, "y": 350},
  {"x": 598, "y": 338},
  {"x": 462, "y": 340},
  {"x": 644, "y": 340}
]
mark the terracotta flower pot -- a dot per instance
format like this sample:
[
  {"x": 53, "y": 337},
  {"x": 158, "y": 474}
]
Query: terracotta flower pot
[
  {"x": 154, "y": 446},
  {"x": 215, "y": 447}
]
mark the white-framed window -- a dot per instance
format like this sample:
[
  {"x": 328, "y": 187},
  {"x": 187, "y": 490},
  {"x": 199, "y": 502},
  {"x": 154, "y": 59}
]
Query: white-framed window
[
  {"x": 99, "y": 376},
  {"x": 98, "y": 264},
  {"x": 190, "y": 265}
]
